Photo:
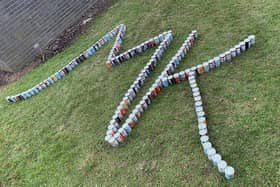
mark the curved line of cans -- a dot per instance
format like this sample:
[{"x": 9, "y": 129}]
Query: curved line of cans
[{"x": 112, "y": 61}]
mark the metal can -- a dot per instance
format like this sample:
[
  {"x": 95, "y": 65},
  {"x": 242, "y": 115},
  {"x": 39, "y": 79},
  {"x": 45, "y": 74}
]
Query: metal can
[
  {"x": 222, "y": 166},
  {"x": 252, "y": 39},
  {"x": 202, "y": 126},
  {"x": 210, "y": 153},
  {"x": 206, "y": 146},
  {"x": 200, "y": 69},
  {"x": 216, "y": 159},
  {"x": 203, "y": 132},
  {"x": 233, "y": 52},
  {"x": 229, "y": 172},
  {"x": 242, "y": 46},
  {"x": 206, "y": 67},
  {"x": 217, "y": 61},
  {"x": 222, "y": 58},
  {"x": 204, "y": 139},
  {"x": 228, "y": 56}
]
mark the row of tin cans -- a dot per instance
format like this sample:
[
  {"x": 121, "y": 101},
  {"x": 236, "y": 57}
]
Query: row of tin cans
[
  {"x": 70, "y": 66},
  {"x": 113, "y": 60},
  {"x": 115, "y": 134},
  {"x": 208, "y": 149},
  {"x": 216, "y": 62}
]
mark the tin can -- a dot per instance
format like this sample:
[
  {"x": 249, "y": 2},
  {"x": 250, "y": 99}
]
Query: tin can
[
  {"x": 177, "y": 78},
  {"x": 252, "y": 39},
  {"x": 111, "y": 141},
  {"x": 197, "y": 98},
  {"x": 195, "y": 94},
  {"x": 212, "y": 64},
  {"x": 204, "y": 139},
  {"x": 216, "y": 159},
  {"x": 242, "y": 46},
  {"x": 139, "y": 108},
  {"x": 144, "y": 104},
  {"x": 133, "y": 117},
  {"x": 131, "y": 122},
  {"x": 210, "y": 153},
  {"x": 247, "y": 43},
  {"x": 206, "y": 67},
  {"x": 202, "y": 132},
  {"x": 200, "y": 114},
  {"x": 198, "y": 103},
  {"x": 206, "y": 146},
  {"x": 202, "y": 126},
  {"x": 222, "y": 166},
  {"x": 233, "y": 52},
  {"x": 217, "y": 61},
  {"x": 229, "y": 172},
  {"x": 237, "y": 50},
  {"x": 127, "y": 128},
  {"x": 223, "y": 58},
  {"x": 228, "y": 56},
  {"x": 202, "y": 120},
  {"x": 200, "y": 69}
]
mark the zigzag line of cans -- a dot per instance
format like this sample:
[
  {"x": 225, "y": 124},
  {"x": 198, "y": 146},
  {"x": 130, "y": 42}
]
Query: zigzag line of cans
[
  {"x": 112, "y": 61},
  {"x": 117, "y": 135}
]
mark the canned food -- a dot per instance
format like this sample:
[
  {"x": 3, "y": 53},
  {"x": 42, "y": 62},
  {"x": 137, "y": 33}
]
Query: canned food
[
  {"x": 203, "y": 132},
  {"x": 242, "y": 46},
  {"x": 204, "y": 139},
  {"x": 197, "y": 98},
  {"x": 237, "y": 49},
  {"x": 229, "y": 172},
  {"x": 222, "y": 58},
  {"x": 252, "y": 39},
  {"x": 228, "y": 56},
  {"x": 222, "y": 166},
  {"x": 211, "y": 64},
  {"x": 206, "y": 146},
  {"x": 217, "y": 61},
  {"x": 206, "y": 67},
  {"x": 198, "y": 103},
  {"x": 202, "y": 126},
  {"x": 200, "y": 69},
  {"x": 210, "y": 153},
  {"x": 233, "y": 52},
  {"x": 216, "y": 159}
]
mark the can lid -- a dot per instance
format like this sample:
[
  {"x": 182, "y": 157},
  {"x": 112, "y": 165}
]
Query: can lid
[
  {"x": 229, "y": 170},
  {"x": 222, "y": 164},
  {"x": 202, "y": 132},
  {"x": 204, "y": 138},
  {"x": 217, "y": 157}
]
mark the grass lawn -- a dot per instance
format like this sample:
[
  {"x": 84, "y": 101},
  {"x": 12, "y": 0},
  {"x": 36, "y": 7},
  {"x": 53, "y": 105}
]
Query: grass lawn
[{"x": 57, "y": 137}]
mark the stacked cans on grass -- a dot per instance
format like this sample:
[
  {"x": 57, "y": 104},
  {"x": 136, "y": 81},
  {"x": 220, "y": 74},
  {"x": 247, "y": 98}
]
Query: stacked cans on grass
[
  {"x": 207, "y": 146},
  {"x": 117, "y": 134},
  {"x": 119, "y": 31}
]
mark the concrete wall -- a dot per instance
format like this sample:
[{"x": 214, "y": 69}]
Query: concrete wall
[{"x": 25, "y": 23}]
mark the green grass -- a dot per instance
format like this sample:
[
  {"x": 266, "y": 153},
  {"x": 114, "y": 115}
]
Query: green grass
[{"x": 57, "y": 137}]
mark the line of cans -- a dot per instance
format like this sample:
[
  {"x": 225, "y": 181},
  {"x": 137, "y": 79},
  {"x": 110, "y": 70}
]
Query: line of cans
[
  {"x": 216, "y": 62},
  {"x": 116, "y": 135},
  {"x": 120, "y": 113},
  {"x": 208, "y": 149},
  {"x": 114, "y": 60},
  {"x": 68, "y": 68}
]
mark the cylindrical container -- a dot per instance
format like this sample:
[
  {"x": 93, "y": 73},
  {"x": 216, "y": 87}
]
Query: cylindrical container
[
  {"x": 202, "y": 126},
  {"x": 206, "y": 67},
  {"x": 228, "y": 56},
  {"x": 127, "y": 128},
  {"x": 111, "y": 141},
  {"x": 202, "y": 120},
  {"x": 242, "y": 46},
  {"x": 194, "y": 85},
  {"x": 198, "y": 103},
  {"x": 211, "y": 64},
  {"x": 198, "y": 108},
  {"x": 233, "y": 52},
  {"x": 131, "y": 122},
  {"x": 204, "y": 139},
  {"x": 197, "y": 98},
  {"x": 252, "y": 39},
  {"x": 237, "y": 49},
  {"x": 216, "y": 159},
  {"x": 210, "y": 153},
  {"x": 139, "y": 108},
  {"x": 182, "y": 76},
  {"x": 229, "y": 172},
  {"x": 206, "y": 146},
  {"x": 217, "y": 61},
  {"x": 144, "y": 104},
  {"x": 202, "y": 132},
  {"x": 200, "y": 69},
  {"x": 222, "y": 58},
  {"x": 247, "y": 43},
  {"x": 222, "y": 166}
]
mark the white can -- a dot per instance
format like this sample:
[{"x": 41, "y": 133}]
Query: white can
[
  {"x": 206, "y": 146},
  {"x": 210, "y": 153},
  {"x": 216, "y": 159},
  {"x": 229, "y": 172},
  {"x": 204, "y": 139},
  {"x": 222, "y": 166}
]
